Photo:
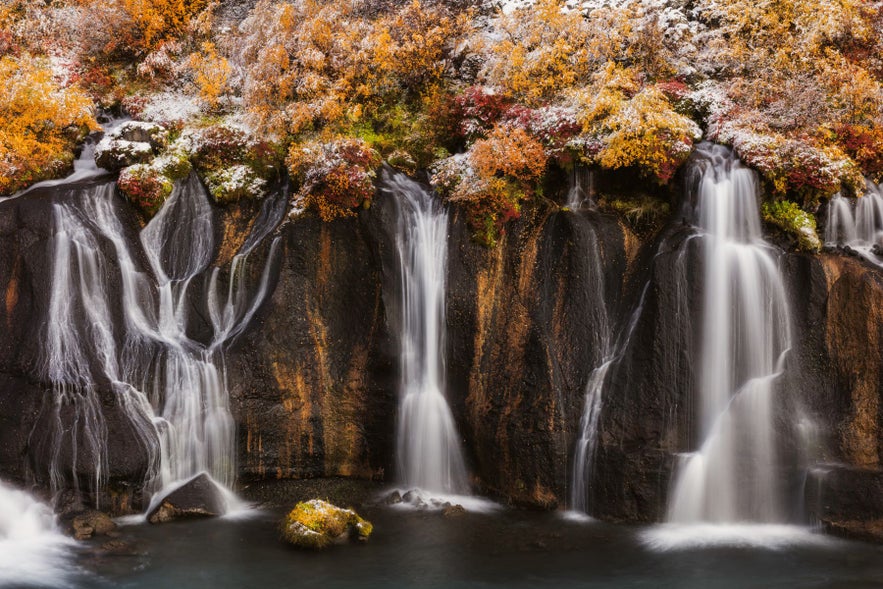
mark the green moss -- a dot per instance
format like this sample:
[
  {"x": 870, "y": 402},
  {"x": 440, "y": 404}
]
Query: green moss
[
  {"x": 643, "y": 213},
  {"x": 317, "y": 524},
  {"x": 794, "y": 221}
]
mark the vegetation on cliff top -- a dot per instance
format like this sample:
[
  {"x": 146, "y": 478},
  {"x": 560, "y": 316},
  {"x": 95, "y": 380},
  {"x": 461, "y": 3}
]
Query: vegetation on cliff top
[{"x": 487, "y": 98}]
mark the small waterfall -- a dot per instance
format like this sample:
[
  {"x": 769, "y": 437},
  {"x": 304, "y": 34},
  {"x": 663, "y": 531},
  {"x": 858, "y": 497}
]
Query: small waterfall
[
  {"x": 857, "y": 223},
  {"x": 584, "y": 455},
  {"x": 428, "y": 445},
  {"x": 733, "y": 476},
  {"x": 171, "y": 387},
  {"x": 32, "y": 551},
  {"x": 581, "y": 188}
]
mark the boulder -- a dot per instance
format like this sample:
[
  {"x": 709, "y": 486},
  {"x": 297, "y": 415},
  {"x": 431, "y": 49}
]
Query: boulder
[
  {"x": 317, "y": 524},
  {"x": 199, "y": 497},
  {"x": 116, "y": 154},
  {"x": 91, "y": 523}
]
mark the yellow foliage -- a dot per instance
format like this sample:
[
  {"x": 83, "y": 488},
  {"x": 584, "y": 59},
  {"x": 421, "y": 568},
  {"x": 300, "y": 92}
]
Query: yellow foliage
[
  {"x": 211, "y": 73},
  {"x": 39, "y": 122},
  {"x": 637, "y": 125}
]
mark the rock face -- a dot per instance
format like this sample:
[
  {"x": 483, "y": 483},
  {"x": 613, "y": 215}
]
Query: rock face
[
  {"x": 317, "y": 524},
  {"x": 314, "y": 379},
  {"x": 198, "y": 497}
]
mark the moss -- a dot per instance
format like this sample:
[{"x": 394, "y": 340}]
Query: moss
[
  {"x": 794, "y": 221},
  {"x": 317, "y": 524},
  {"x": 644, "y": 214}
]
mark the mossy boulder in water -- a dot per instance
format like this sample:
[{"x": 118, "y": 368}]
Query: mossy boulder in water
[{"x": 319, "y": 524}]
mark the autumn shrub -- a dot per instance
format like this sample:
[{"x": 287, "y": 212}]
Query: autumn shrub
[
  {"x": 42, "y": 121},
  {"x": 334, "y": 177},
  {"x": 635, "y": 126},
  {"x": 493, "y": 179},
  {"x": 145, "y": 187},
  {"x": 211, "y": 72}
]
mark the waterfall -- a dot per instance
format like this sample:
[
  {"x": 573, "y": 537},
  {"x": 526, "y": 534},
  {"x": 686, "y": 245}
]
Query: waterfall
[
  {"x": 584, "y": 455},
  {"x": 581, "y": 187},
  {"x": 32, "y": 551},
  {"x": 857, "y": 223},
  {"x": 428, "y": 445},
  {"x": 171, "y": 387},
  {"x": 733, "y": 475}
]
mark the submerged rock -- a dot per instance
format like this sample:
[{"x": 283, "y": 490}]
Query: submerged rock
[
  {"x": 199, "y": 497},
  {"x": 318, "y": 524}
]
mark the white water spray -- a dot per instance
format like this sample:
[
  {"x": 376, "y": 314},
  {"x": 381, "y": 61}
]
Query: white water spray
[
  {"x": 428, "y": 445},
  {"x": 733, "y": 476},
  {"x": 857, "y": 223}
]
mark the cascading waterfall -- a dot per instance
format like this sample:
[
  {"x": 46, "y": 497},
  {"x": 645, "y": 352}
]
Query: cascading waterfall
[
  {"x": 428, "y": 445},
  {"x": 733, "y": 476},
  {"x": 172, "y": 387},
  {"x": 857, "y": 223}
]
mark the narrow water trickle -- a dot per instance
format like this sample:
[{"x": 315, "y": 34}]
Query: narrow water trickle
[
  {"x": 428, "y": 445},
  {"x": 134, "y": 336},
  {"x": 733, "y": 476},
  {"x": 584, "y": 455}
]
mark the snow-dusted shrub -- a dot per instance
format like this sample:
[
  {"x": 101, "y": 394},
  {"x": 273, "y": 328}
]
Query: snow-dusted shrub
[
  {"x": 334, "y": 177},
  {"x": 145, "y": 187}
]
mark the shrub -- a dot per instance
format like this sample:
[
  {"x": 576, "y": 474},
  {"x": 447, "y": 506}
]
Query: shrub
[
  {"x": 334, "y": 177},
  {"x": 145, "y": 187},
  {"x": 41, "y": 122},
  {"x": 790, "y": 218}
]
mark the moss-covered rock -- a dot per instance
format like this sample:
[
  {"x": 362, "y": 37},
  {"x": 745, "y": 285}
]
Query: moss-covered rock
[
  {"x": 790, "y": 218},
  {"x": 317, "y": 524}
]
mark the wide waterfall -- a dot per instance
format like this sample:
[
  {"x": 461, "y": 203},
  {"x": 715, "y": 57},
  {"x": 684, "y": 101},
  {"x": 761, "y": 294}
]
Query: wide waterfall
[
  {"x": 135, "y": 337},
  {"x": 857, "y": 223},
  {"x": 733, "y": 475},
  {"x": 428, "y": 445}
]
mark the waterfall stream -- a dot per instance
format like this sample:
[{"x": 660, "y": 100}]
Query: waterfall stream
[
  {"x": 733, "y": 476},
  {"x": 428, "y": 445},
  {"x": 857, "y": 223},
  {"x": 171, "y": 387}
]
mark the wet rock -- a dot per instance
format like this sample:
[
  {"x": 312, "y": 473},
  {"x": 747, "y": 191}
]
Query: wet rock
[
  {"x": 199, "y": 497},
  {"x": 454, "y": 511},
  {"x": 317, "y": 524},
  {"x": 88, "y": 523},
  {"x": 393, "y": 498},
  {"x": 848, "y": 501}
]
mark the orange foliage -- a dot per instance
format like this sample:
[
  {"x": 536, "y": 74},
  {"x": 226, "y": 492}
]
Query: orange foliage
[
  {"x": 39, "y": 122},
  {"x": 211, "y": 72}
]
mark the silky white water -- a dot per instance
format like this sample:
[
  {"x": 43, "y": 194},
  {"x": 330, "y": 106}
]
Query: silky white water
[
  {"x": 581, "y": 188},
  {"x": 733, "y": 475},
  {"x": 32, "y": 551},
  {"x": 857, "y": 223},
  {"x": 429, "y": 455},
  {"x": 171, "y": 387}
]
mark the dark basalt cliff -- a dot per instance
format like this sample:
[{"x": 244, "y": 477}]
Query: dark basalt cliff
[{"x": 313, "y": 381}]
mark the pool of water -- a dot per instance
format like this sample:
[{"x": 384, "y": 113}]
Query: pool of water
[{"x": 510, "y": 549}]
